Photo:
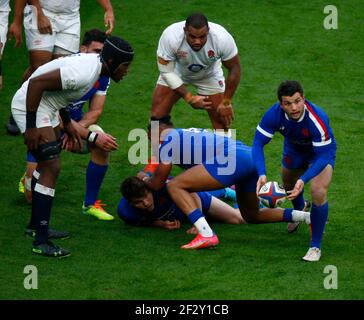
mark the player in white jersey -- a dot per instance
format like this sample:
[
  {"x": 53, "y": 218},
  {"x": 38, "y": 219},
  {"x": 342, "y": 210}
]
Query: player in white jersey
[
  {"x": 192, "y": 52},
  {"x": 4, "y": 15},
  {"x": 35, "y": 108},
  {"x": 52, "y": 29}
]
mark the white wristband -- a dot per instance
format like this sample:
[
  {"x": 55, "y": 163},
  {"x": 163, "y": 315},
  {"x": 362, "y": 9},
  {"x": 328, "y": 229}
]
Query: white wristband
[{"x": 92, "y": 137}]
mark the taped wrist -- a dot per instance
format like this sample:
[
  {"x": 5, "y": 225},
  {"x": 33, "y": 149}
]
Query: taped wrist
[
  {"x": 31, "y": 119},
  {"x": 226, "y": 102},
  {"x": 92, "y": 136},
  {"x": 188, "y": 97},
  {"x": 65, "y": 116}
]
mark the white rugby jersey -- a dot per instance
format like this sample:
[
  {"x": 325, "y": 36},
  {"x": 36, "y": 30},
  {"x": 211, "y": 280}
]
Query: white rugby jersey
[
  {"x": 196, "y": 65},
  {"x": 79, "y": 72},
  {"x": 67, "y": 7},
  {"x": 4, "y": 5}
]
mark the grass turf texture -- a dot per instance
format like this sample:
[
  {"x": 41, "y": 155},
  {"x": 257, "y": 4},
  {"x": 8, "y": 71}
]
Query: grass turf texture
[{"x": 276, "y": 41}]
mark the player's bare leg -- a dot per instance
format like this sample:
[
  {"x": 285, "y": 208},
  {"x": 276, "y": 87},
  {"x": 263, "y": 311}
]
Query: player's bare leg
[
  {"x": 164, "y": 98},
  {"x": 216, "y": 100},
  {"x": 180, "y": 188}
]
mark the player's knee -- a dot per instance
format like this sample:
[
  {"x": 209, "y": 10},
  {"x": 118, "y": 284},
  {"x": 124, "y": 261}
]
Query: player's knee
[
  {"x": 173, "y": 186},
  {"x": 319, "y": 195},
  {"x": 48, "y": 151}
]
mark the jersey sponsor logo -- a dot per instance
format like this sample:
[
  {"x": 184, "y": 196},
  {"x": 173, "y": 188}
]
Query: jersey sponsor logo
[
  {"x": 182, "y": 54},
  {"x": 195, "y": 67},
  {"x": 221, "y": 83}
]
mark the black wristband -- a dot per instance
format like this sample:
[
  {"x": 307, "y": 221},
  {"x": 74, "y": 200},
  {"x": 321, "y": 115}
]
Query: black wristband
[
  {"x": 31, "y": 119},
  {"x": 65, "y": 116}
]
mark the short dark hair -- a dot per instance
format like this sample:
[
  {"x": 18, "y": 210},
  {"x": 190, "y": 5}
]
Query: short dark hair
[
  {"x": 289, "y": 88},
  {"x": 197, "y": 21},
  {"x": 133, "y": 187},
  {"x": 93, "y": 35}
]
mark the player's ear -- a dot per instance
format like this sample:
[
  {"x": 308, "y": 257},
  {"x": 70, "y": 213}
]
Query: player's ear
[{"x": 83, "y": 49}]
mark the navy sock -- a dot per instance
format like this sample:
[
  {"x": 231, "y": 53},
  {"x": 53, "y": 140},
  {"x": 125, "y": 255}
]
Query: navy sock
[
  {"x": 95, "y": 174},
  {"x": 41, "y": 210},
  {"x": 318, "y": 221},
  {"x": 299, "y": 202},
  {"x": 31, "y": 224},
  {"x": 287, "y": 215}
]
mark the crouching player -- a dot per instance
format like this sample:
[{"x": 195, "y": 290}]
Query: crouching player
[
  {"x": 144, "y": 207},
  {"x": 93, "y": 42}
]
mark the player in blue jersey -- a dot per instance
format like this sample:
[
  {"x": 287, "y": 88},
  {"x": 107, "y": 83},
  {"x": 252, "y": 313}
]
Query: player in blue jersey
[
  {"x": 141, "y": 206},
  {"x": 212, "y": 162},
  {"x": 93, "y": 42},
  {"x": 308, "y": 154}
]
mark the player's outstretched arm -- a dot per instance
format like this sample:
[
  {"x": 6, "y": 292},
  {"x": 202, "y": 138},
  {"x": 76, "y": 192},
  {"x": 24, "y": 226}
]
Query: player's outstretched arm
[
  {"x": 15, "y": 29},
  {"x": 109, "y": 19},
  {"x": 225, "y": 109}
]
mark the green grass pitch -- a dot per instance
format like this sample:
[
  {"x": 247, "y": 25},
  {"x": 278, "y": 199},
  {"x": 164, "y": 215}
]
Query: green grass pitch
[{"x": 277, "y": 40}]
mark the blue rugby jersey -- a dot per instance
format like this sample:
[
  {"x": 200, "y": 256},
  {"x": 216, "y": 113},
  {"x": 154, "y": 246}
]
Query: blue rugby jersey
[
  {"x": 192, "y": 146},
  {"x": 100, "y": 87},
  {"x": 310, "y": 136}
]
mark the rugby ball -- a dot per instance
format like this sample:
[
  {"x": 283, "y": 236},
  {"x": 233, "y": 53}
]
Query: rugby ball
[{"x": 272, "y": 194}]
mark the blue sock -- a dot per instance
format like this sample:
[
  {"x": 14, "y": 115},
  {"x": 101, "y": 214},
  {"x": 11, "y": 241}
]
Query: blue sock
[
  {"x": 195, "y": 215},
  {"x": 318, "y": 221},
  {"x": 95, "y": 174},
  {"x": 219, "y": 193},
  {"x": 287, "y": 215},
  {"x": 299, "y": 202}
]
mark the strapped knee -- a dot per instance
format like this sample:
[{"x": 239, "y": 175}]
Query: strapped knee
[{"x": 48, "y": 151}]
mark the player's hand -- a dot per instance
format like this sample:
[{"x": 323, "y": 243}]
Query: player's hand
[
  {"x": 44, "y": 25},
  {"x": 226, "y": 113},
  {"x": 32, "y": 138},
  {"x": 109, "y": 21},
  {"x": 192, "y": 230},
  {"x": 298, "y": 188},
  {"x": 171, "y": 225},
  {"x": 15, "y": 31},
  {"x": 141, "y": 175},
  {"x": 106, "y": 142},
  {"x": 261, "y": 182},
  {"x": 200, "y": 102},
  {"x": 74, "y": 140}
]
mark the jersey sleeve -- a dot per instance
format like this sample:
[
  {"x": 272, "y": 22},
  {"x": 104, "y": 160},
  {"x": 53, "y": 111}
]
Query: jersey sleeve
[
  {"x": 228, "y": 46},
  {"x": 263, "y": 134},
  {"x": 166, "y": 46},
  {"x": 323, "y": 143}
]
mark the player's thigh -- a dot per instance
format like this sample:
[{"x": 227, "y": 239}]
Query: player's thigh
[
  {"x": 38, "y": 58},
  {"x": 221, "y": 211},
  {"x": 196, "y": 178},
  {"x": 163, "y": 100},
  {"x": 248, "y": 204}
]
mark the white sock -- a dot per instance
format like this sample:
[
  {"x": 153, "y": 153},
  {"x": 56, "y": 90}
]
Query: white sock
[
  {"x": 203, "y": 227},
  {"x": 300, "y": 216}
]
